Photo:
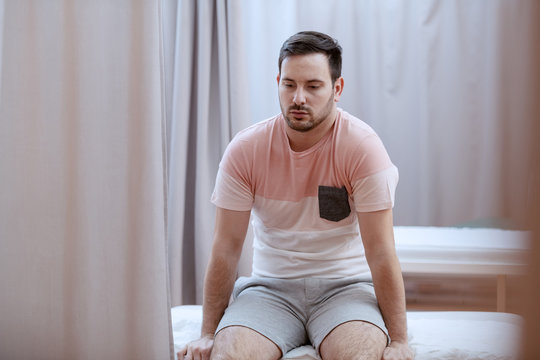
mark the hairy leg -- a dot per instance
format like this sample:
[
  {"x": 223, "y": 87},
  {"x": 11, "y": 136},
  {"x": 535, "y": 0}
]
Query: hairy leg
[
  {"x": 242, "y": 343},
  {"x": 354, "y": 340}
]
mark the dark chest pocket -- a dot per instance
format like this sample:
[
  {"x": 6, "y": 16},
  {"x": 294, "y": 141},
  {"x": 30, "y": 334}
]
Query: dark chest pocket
[{"x": 333, "y": 203}]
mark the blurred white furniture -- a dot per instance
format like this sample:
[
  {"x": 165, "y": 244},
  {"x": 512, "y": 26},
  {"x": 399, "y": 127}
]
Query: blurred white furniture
[{"x": 463, "y": 251}]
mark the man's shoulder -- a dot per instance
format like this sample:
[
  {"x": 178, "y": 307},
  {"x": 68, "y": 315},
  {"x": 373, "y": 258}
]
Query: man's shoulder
[
  {"x": 246, "y": 143},
  {"x": 360, "y": 146},
  {"x": 354, "y": 134},
  {"x": 258, "y": 131},
  {"x": 350, "y": 125}
]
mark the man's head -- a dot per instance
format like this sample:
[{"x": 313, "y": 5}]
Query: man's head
[
  {"x": 311, "y": 42},
  {"x": 309, "y": 80}
]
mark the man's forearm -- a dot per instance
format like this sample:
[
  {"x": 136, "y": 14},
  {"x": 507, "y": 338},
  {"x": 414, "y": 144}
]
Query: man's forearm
[
  {"x": 218, "y": 285},
  {"x": 229, "y": 235},
  {"x": 388, "y": 283}
]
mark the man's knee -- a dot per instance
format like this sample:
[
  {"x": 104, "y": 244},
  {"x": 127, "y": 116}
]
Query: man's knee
[
  {"x": 238, "y": 342},
  {"x": 354, "y": 340},
  {"x": 226, "y": 343}
]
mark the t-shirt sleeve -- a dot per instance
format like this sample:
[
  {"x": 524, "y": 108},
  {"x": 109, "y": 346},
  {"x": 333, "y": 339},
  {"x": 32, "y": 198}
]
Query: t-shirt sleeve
[
  {"x": 377, "y": 191},
  {"x": 229, "y": 193},
  {"x": 374, "y": 177},
  {"x": 233, "y": 188}
]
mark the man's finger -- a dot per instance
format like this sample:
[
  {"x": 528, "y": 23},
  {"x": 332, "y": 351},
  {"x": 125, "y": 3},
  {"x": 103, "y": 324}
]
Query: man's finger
[{"x": 180, "y": 354}]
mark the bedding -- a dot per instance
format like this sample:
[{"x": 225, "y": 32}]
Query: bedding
[{"x": 443, "y": 335}]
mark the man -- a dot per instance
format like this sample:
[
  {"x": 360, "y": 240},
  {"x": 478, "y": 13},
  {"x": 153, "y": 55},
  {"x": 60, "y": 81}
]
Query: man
[{"x": 317, "y": 265}]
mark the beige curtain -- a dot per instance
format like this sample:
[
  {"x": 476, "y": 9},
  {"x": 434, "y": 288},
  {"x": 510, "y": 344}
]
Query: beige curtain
[
  {"x": 207, "y": 105},
  {"x": 82, "y": 233}
]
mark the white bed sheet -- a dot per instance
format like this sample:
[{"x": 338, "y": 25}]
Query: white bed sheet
[{"x": 450, "y": 335}]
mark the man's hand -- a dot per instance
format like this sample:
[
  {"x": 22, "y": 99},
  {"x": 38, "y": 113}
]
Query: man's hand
[
  {"x": 398, "y": 351},
  {"x": 197, "y": 350}
]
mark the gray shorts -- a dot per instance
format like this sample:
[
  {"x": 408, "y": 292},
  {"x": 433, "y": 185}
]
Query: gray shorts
[{"x": 295, "y": 312}]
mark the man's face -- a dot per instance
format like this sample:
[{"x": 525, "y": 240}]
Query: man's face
[{"x": 306, "y": 93}]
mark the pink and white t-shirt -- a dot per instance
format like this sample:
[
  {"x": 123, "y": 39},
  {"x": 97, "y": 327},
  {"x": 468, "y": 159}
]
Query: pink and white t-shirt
[{"x": 303, "y": 204}]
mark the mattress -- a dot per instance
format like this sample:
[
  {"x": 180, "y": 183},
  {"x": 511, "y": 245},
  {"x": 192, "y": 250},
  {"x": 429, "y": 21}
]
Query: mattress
[{"x": 444, "y": 335}]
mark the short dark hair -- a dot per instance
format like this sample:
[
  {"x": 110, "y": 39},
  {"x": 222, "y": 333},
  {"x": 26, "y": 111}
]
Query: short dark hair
[{"x": 309, "y": 42}]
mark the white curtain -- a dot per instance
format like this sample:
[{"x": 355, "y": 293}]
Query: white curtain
[
  {"x": 82, "y": 229},
  {"x": 446, "y": 84}
]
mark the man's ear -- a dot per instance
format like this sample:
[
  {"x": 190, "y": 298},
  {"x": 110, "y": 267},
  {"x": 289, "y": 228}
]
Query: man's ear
[
  {"x": 277, "y": 78},
  {"x": 338, "y": 88}
]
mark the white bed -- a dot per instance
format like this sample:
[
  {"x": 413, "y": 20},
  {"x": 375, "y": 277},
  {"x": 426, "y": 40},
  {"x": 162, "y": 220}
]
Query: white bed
[{"x": 433, "y": 335}]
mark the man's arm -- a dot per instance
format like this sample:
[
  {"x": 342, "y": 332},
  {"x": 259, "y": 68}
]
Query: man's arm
[
  {"x": 229, "y": 234},
  {"x": 377, "y": 233}
]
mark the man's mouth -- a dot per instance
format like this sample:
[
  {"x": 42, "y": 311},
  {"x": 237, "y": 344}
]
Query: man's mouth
[{"x": 299, "y": 113}]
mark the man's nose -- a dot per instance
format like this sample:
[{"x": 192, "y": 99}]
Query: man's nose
[{"x": 299, "y": 97}]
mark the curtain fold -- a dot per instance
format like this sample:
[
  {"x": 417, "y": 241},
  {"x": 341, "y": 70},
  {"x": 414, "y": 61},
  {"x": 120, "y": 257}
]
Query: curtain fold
[
  {"x": 83, "y": 261},
  {"x": 208, "y": 106}
]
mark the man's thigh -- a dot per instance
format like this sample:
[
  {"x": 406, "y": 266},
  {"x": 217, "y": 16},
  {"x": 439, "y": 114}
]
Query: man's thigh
[
  {"x": 265, "y": 307},
  {"x": 356, "y": 340},
  {"x": 345, "y": 300},
  {"x": 238, "y": 342}
]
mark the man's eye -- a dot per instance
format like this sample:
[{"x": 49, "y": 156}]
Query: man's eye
[{"x": 314, "y": 86}]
